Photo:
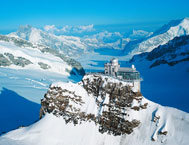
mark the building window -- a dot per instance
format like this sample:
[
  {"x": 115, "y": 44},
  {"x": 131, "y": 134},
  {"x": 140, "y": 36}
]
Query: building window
[{"x": 129, "y": 75}]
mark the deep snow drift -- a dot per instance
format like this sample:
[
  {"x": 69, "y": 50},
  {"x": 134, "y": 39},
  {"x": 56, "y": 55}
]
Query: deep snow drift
[{"x": 75, "y": 114}]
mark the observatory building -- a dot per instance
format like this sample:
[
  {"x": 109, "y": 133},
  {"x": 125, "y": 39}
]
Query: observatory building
[{"x": 130, "y": 75}]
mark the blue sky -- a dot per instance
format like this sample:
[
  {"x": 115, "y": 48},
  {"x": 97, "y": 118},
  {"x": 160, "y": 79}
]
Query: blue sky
[{"x": 82, "y": 12}]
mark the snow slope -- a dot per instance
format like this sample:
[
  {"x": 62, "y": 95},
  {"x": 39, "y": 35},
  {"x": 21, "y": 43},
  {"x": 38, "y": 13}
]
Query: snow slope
[
  {"x": 158, "y": 124},
  {"x": 26, "y": 70},
  {"x": 21, "y": 91},
  {"x": 160, "y": 37},
  {"x": 35, "y": 56},
  {"x": 19, "y": 53}
]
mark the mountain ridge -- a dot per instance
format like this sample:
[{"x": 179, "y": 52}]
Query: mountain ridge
[
  {"x": 171, "y": 53},
  {"x": 17, "y": 47},
  {"x": 59, "y": 124},
  {"x": 160, "y": 37}
]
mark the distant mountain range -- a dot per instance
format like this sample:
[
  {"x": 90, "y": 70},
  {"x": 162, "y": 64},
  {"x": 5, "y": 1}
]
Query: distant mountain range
[
  {"x": 70, "y": 45},
  {"x": 162, "y": 36},
  {"x": 74, "y": 46}
]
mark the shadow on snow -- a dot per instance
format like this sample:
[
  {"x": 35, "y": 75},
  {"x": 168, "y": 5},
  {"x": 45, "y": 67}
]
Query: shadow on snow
[{"x": 16, "y": 111}]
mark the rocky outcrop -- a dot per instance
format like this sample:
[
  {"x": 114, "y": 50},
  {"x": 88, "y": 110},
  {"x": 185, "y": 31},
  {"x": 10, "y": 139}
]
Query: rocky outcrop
[
  {"x": 112, "y": 98},
  {"x": 17, "y": 41},
  {"x": 7, "y": 59},
  {"x": 4, "y": 61},
  {"x": 44, "y": 65},
  {"x": 19, "y": 61},
  {"x": 171, "y": 53}
]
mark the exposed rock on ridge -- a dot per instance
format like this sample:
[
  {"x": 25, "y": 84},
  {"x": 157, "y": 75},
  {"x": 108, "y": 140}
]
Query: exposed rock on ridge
[
  {"x": 172, "y": 53},
  {"x": 112, "y": 101}
]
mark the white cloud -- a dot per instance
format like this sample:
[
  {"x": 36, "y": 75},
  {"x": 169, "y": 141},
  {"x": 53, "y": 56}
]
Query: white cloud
[
  {"x": 86, "y": 28},
  {"x": 66, "y": 28},
  {"x": 69, "y": 29},
  {"x": 50, "y": 28}
]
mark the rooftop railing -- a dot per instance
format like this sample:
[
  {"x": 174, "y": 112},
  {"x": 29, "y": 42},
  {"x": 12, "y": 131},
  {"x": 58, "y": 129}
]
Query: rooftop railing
[{"x": 102, "y": 73}]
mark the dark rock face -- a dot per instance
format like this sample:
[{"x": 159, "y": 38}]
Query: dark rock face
[
  {"x": 170, "y": 48},
  {"x": 7, "y": 59},
  {"x": 120, "y": 97},
  {"x": 60, "y": 105},
  {"x": 20, "y": 61},
  {"x": 168, "y": 53},
  {"x": 172, "y": 53},
  {"x": 112, "y": 116},
  {"x": 44, "y": 65},
  {"x": 18, "y": 42},
  {"x": 4, "y": 61}
]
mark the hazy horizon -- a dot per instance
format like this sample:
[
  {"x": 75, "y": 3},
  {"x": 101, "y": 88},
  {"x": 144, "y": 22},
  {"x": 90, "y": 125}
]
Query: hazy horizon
[
  {"x": 100, "y": 12},
  {"x": 147, "y": 26}
]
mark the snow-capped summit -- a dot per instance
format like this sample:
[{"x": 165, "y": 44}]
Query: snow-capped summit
[
  {"x": 69, "y": 45},
  {"x": 29, "y": 33},
  {"x": 160, "y": 37},
  {"x": 101, "y": 110},
  {"x": 167, "y": 26}
]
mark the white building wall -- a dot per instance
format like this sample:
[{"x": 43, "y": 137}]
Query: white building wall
[
  {"x": 136, "y": 87},
  {"x": 112, "y": 68}
]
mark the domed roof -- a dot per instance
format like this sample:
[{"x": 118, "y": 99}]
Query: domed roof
[{"x": 114, "y": 61}]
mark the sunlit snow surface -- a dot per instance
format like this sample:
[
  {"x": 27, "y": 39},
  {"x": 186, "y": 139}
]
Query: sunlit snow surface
[
  {"x": 31, "y": 84},
  {"x": 20, "y": 94}
]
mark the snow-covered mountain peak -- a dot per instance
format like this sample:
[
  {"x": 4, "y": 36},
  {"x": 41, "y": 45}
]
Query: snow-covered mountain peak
[
  {"x": 69, "y": 45},
  {"x": 166, "y": 33},
  {"x": 25, "y": 28},
  {"x": 167, "y": 26},
  {"x": 101, "y": 110},
  {"x": 29, "y": 33},
  {"x": 72, "y": 46},
  {"x": 181, "y": 29},
  {"x": 177, "y": 27},
  {"x": 184, "y": 21}
]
